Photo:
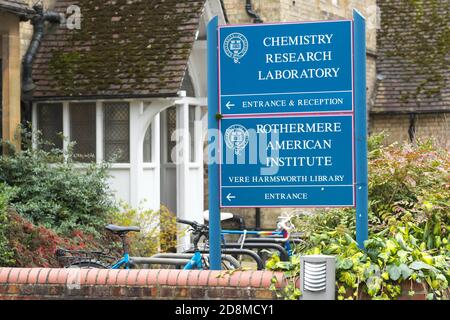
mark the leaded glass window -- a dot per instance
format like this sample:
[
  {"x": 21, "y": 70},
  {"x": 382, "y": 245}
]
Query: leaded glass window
[
  {"x": 83, "y": 131},
  {"x": 117, "y": 131},
  {"x": 50, "y": 124}
]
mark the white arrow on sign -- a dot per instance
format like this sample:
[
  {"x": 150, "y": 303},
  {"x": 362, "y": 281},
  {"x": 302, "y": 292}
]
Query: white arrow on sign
[
  {"x": 229, "y": 105},
  {"x": 229, "y": 197}
]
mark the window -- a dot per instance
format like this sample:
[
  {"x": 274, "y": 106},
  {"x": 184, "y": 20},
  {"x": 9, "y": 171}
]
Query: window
[
  {"x": 83, "y": 131},
  {"x": 117, "y": 131},
  {"x": 50, "y": 123},
  {"x": 171, "y": 127},
  {"x": 147, "y": 148}
]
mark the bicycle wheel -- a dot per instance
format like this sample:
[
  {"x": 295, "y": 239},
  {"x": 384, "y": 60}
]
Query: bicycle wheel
[
  {"x": 229, "y": 263},
  {"x": 88, "y": 264}
]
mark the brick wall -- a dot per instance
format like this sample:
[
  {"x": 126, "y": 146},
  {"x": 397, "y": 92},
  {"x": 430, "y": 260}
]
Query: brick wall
[
  {"x": 436, "y": 126},
  {"x": 44, "y": 283}
]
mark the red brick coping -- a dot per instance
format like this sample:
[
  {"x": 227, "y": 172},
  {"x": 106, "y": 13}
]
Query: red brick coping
[{"x": 45, "y": 283}]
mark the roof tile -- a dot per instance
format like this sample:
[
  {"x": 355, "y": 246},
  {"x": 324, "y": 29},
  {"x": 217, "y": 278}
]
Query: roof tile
[
  {"x": 413, "y": 56},
  {"x": 124, "y": 48}
]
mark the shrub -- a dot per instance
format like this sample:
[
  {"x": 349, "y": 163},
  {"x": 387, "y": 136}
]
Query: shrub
[
  {"x": 409, "y": 208},
  {"x": 158, "y": 230},
  {"x": 6, "y": 253},
  {"x": 51, "y": 190}
]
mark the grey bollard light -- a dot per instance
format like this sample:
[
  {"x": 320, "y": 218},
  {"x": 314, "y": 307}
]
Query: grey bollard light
[{"x": 317, "y": 277}]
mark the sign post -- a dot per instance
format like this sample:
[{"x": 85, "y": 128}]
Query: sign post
[
  {"x": 213, "y": 167},
  {"x": 362, "y": 233},
  {"x": 291, "y": 101}
]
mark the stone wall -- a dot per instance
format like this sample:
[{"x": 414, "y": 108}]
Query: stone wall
[{"x": 431, "y": 125}]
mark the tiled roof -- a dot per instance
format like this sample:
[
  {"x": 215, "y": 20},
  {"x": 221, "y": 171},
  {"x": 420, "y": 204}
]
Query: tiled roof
[
  {"x": 125, "y": 48},
  {"x": 18, "y": 7},
  {"x": 413, "y": 56}
]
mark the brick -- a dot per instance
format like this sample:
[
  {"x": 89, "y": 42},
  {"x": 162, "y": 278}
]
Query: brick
[
  {"x": 102, "y": 277},
  {"x": 213, "y": 279},
  {"x": 198, "y": 293},
  {"x": 117, "y": 291},
  {"x": 132, "y": 276},
  {"x": 62, "y": 276},
  {"x": 23, "y": 275},
  {"x": 112, "y": 276},
  {"x": 181, "y": 292},
  {"x": 101, "y": 291},
  {"x": 166, "y": 292},
  {"x": 172, "y": 277},
  {"x": 163, "y": 276},
  {"x": 152, "y": 277},
  {"x": 214, "y": 292},
  {"x": 266, "y": 280},
  {"x": 224, "y": 280},
  {"x": 54, "y": 290},
  {"x": 4, "y": 272},
  {"x": 122, "y": 277},
  {"x": 33, "y": 275},
  {"x": 183, "y": 277},
  {"x": 244, "y": 280},
  {"x": 256, "y": 279},
  {"x": 141, "y": 278},
  {"x": 134, "y": 291},
  {"x": 91, "y": 276},
  {"x": 234, "y": 279},
  {"x": 149, "y": 292},
  {"x": 3, "y": 288},
  {"x": 12, "y": 289},
  {"x": 193, "y": 277},
  {"x": 53, "y": 276},
  {"x": 231, "y": 293},
  {"x": 263, "y": 294},
  {"x": 26, "y": 289},
  {"x": 13, "y": 275}
]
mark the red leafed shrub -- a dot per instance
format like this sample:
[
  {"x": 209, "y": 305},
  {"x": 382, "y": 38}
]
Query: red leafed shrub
[{"x": 35, "y": 246}]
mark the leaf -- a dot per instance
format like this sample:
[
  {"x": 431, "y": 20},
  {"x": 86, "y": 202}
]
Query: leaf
[
  {"x": 420, "y": 265},
  {"x": 346, "y": 264},
  {"x": 394, "y": 272},
  {"x": 406, "y": 271}
]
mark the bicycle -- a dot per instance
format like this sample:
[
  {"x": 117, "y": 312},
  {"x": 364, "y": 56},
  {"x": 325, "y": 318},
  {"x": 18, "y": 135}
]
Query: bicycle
[
  {"x": 96, "y": 259},
  {"x": 264, "y": 240}
]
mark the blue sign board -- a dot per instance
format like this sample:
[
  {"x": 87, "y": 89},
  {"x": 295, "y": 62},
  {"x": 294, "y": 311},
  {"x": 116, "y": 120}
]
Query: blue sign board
[
  {"x": 287, "y": 161},
  {"x": 286, "y": 97},
  {"x": 286, "y": 68}
]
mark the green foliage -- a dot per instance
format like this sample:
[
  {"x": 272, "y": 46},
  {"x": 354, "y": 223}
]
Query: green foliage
[
  {"x": 6, "y": 253},
  {"x": 158, "y": 230},
  {"x": 53, "y": 191},
  {"x": 409, "y": 194}
]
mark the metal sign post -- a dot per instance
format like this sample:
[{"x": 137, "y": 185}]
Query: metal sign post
[
  {"x": 362, "y": 233},
  {"x": 213, "y": 167}
]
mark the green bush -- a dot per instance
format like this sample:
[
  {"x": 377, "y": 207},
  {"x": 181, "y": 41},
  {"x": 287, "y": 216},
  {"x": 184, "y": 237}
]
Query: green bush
[
  {"x": 409, "y": 209},
  {"x": 52, "y": 190},
  {"x": 158, "y": 230},
  {"x": 6, "y": 252}
]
